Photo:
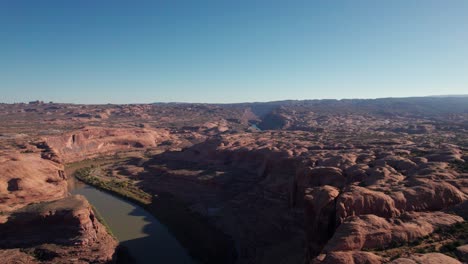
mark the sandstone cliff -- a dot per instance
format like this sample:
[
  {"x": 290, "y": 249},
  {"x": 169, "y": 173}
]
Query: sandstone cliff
[{"x": 39, "y": 221}]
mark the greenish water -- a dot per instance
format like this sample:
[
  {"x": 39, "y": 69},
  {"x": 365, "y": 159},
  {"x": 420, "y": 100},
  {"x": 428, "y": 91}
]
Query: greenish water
[
  {"x": 255, "y": 127},
  {"x": 147, "y": 240}
]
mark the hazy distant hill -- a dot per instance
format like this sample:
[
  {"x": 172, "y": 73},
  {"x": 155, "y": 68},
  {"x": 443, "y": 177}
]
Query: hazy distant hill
[
  {"x": 401, "y": 106},
  {"x": 450, "y": 95}
]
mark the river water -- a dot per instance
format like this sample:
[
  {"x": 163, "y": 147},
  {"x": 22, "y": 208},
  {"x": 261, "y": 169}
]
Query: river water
[{"x": 147, "y": 240}]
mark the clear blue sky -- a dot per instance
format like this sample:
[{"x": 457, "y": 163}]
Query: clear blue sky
[{"x": 97, "y": 51}]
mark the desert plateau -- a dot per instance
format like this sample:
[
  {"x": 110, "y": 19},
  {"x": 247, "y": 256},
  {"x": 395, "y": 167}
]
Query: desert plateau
[{"x": 314, "y": 181}]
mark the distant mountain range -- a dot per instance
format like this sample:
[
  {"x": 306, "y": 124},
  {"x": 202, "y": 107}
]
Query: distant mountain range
[
  {"x": 416, "y": 106},
  {"x": 294, "y": 101},
  {"x": 450, "y": 95}
]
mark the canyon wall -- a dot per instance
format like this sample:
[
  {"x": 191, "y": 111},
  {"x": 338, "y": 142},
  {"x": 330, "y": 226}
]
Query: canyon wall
[{"x": 39, "y": 221}]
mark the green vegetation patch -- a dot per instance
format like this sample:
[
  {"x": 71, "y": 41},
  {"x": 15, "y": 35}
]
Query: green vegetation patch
[{"x": 125, "y": 189}]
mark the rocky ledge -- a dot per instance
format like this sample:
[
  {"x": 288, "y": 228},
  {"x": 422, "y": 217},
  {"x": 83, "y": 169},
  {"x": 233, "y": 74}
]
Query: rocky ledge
[
  {"x": 62, "y": 231},
  {"x": 39, "y": 221}
]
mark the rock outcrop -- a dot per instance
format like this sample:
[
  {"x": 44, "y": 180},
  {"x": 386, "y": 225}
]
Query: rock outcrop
[
  {"x": 430, "y": 258},
  {"x": 39, "y": 221},
  {"x": 90, "y": 142},
  {"x": 27, "y": 177},
  {"x": 320, "y": 216},
  {"x": 348, "y": 257},
  {"x": 62, "y": 230},
  {"x": 353, "y": 198},
  {"x": 462, "y": 252},
  {"x": 374, "y": 232}
]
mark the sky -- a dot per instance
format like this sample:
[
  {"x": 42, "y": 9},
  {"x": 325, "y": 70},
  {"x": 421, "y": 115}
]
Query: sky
[{"x": 220, "y": 51}]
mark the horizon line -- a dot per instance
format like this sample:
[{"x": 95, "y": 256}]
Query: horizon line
[{"x": 243, "y": 102}]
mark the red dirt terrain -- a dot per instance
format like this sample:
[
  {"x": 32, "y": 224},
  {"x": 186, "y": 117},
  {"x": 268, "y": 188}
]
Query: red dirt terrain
[{"x": 350, "y": 181}]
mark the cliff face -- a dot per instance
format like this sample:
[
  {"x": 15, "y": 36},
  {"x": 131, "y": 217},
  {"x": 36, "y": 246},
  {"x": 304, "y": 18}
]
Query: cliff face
[
  {"x": 90, "y": 142},
  {"x": 39, "y": 221},
  {"x": 63, "y": 230}
]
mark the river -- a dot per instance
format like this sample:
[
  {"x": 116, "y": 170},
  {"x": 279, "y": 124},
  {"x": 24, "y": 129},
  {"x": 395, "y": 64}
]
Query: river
[{"x": 147, "y": 240}]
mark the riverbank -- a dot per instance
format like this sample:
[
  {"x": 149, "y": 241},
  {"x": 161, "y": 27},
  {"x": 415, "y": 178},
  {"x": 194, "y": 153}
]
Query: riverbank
[
  {"x": 125, "y": 189},
  {"x": 203, "y": 241}
]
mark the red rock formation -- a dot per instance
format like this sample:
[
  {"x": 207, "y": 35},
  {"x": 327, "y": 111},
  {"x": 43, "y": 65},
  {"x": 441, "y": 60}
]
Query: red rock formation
[
  {"x": 462, "y": 252},
  {"x": 360, "y": 201},
  {"x": 348, "y": 257},
  {"x": 362, "y": 173},
  {"x": 320, "y": 217},
  {"x": 373, "y": 232},
  {"x": 66, "y": 228},
  {"x": 89, "y": 142},
  {"x": 27, "y": 178},
  {"x": 16, "y": 256},
  {"x": 38, "y": 218},
  {"x": 429, "y": 258}
]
